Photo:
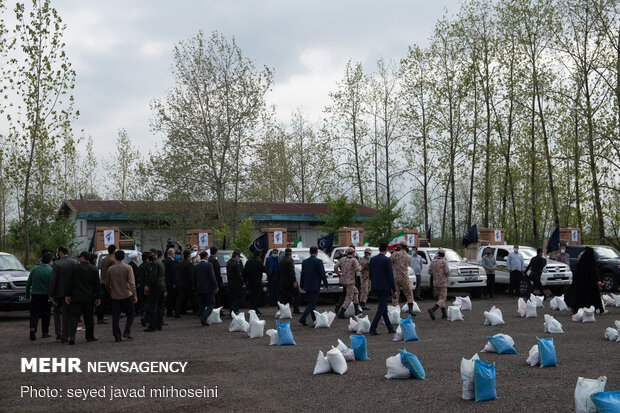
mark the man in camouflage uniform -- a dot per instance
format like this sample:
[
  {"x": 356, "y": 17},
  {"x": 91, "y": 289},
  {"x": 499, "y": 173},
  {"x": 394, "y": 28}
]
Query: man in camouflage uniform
[
  {"x": 365, "y": 279},
  {"x": 346, "y": 267},
  {"x": 440, "y": 271},
  {"x": 155, "y": 290},
  {"x": 400, "y": 264}
]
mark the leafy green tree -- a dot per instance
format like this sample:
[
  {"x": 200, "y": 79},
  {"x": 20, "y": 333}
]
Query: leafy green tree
[
  {"x": 341, "y": 214},
  {"x": 380, "y": 227}
]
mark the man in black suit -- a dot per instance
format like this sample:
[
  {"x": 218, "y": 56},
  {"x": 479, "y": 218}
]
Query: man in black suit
[
  {"x": 219, "y": 297},
  {"x": 61, "y": 277},
  {"x": 253, "y": 275},
  {"x": 312, "y": 274},
  {"x": 236, "y": 283},
  {"x": 185, "y": 284},
  {"x": 537, "y": 265},
  {"x": 171, "y": 281},
  {"x": 206, "y": 287},
  {"x": 382, "y": 280},
  {"x": 289, "y": 291},
  {"x": 82, "y": 295}
]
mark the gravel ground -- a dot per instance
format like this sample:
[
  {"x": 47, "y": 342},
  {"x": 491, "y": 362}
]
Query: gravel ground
[{"x": 252, "y": 376}]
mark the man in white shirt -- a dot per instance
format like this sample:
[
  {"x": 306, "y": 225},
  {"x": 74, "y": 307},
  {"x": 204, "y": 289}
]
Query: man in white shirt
[{"x": 516, "y": 265}]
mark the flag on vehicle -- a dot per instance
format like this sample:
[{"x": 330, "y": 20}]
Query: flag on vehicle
[
  {"x": 554, "y": 241},
  {"x": 396, "y": 239},
  {"x": 260, "y": 243},
  {"x": 298, "y": 243},
  {"x": 470, "y": 236},
  {"x": 326, "y": 244},
  {"x": 366, "y": 241}
]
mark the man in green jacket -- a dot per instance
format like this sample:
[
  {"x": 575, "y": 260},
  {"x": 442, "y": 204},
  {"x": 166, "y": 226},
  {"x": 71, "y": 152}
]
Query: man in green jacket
[
  {"x": 37, "y": 288},
  {"x": 82, "y": 295}
]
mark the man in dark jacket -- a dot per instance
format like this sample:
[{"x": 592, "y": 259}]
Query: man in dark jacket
[
  {"x": 312, "y": 274},
  {"x": 106, "y": 301},
  {"x": 61, "y": 277},
  {"x": 236, "y": 283},
  {"x": 141, "y": 279},
  {"x": 537, "y": 265},
  {"x": 37, "y": 290},
  {"x": 155, "y": 290},
  {"x": 219, "y": 297},
  {"x": 382, "y": 283},
  {"x": 272, "y": 264},
  {"x": 185, "y": 285},
  {"x": 83, "y": 294},
  {"x": 206, "y": 287},
  {"x": 253, "y": 275},
  {"x": 171, "y": 281},
  {"x": 289, "y": 291}
]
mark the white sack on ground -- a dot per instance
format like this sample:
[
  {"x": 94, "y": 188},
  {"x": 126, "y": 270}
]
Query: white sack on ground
[
  {"x": 352, "y": 325},
  {"x": 238, "y": 323},
  {"x": 584, "y": 389},
  {"x": 347, "y": 352},
  {"x": 588, "y": 315},
  {"x": 454, "y": 313},
  {"x": 337, "y": 361},
  {"x": 578, "y": 316},
  {"x": 490, "y": 348},
  {"x": 398, "y": 336},
  {"x": 611, "y": 334},
  {"x": 531, "y": 310},
  {"x": 537, "y": 300},
  {"x": 463, "y": 302},
  {"x": 394, "y": 314},
  {"x": 395, "y": 368},
  {"x": 322, "y": 365},
  {"x": 521, "y": 307},
  {"x": 551, "y": 325},
  {"x": 214, "y": 317},
  {"x": 467, "y": 375},
  {"x": 284, "y": 312},
  {"x": 274, "y": 340},
  {"x": 350, "y": 311},
  {"x": 363, "y": 325},
  {"x": 257, "y": 327},
  {"x": 534, "y": 356},
  {"x": 493, "y": 317}
]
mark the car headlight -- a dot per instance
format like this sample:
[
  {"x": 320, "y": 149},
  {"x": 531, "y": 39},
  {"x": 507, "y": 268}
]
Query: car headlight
[
  {"x": 481, "y": 271},
  {"x": 4, "y": 285},
  {"x": 454, "y": 272}
]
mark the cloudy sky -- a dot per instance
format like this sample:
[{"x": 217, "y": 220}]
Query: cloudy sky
[{"x": 122, "y": 50}]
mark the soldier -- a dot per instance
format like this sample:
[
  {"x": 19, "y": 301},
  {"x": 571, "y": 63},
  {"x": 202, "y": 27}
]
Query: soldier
[
  {"x": 155, "y": 291},
  {"x": 234, "y": 271},
  {"x": 440, "y": 271},
  {"x": 346, "y": 267},
  {"x": 83, "y": 294},
  {"x": 400, "y": 263},
  {"x": 563, "y": 257},
  {"x": 365, "y": 279}
]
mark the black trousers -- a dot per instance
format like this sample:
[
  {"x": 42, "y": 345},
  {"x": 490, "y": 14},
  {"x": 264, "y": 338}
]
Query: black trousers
[
  {"x": 255, "y": 294},
  {"x": 313, "y": 298},
  {"x": 515, "y": 279},
  {"x": 41, "y": 308},
  {"x": 342, "y": 297},
  {"x": 156, "y": 301},
  {"x": 86, "y": 311},
  {"x": 290, "y": 296},
  {"x": 183, "y": 294},
  {"x": 382, "y": 312},
  {"x": 170, "y": 299},
  {"x": 125, "y": 306},
  {"x": 236, "y": 297},
  {"x": 536, "y": 284},
  {"x": 105, "y": 305},
  {"x": 61, "y": 318},
  {"x": 206, "y": 302},
  {"x": 490, "y": 287}
]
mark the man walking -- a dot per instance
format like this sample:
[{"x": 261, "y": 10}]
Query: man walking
[
  {"x": 83, "y": 294},
  {"x": 206, "y": 287},
  {"x": 488, "y": 263},
  {"x": 171, "y": 280},
  {"x": 440, "y": 271},
  {"x": 382, "y": 283},
  {"x": 155, "y": 291},
  {"x": 37, "y": 290},
  {"x": 253, "y": 275},
  {"x": 400, "y": 264},
  {"x": 312, "y": 274},
  {"x": 415, "y": 263},
  {"x": 288, "y": 281},
  {"x": 537, "y": 265},
  {"x": 122, "y": 286},
  {"x": 106, "y": 263},
  {"x": 516, "y": 266},
  {"x": 273, "y": 277},
  {"x": 61, "y": 277},
  {"x": 185, "y": 285},
  {"x": 234, "y": 271},
  {"x": 364, "y": 279},
  {"x": 346, "y": 267},
  {"x": 219, "y": 296}
]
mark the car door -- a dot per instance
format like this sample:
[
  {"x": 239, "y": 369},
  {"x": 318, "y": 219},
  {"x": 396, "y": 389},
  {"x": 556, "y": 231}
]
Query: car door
[
  {"x": 424, "y": 277},
  {"x": 502, "y": 275}
]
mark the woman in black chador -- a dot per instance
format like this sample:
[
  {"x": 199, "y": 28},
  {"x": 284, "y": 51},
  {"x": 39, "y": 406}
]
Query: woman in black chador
[{"x": 584, "y": 290}]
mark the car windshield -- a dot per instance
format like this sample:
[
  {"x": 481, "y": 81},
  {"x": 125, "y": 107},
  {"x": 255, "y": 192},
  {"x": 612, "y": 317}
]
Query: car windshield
[
  {"x": 451, "y": 255},
  {"x": 299, "y": 256},
  {"x": 527, "y": 252},
  {"x": 224, "y": 256},
  {"x": 10, "y": 263},
  {"x": 359, "y": 252},
  {"x": 607, "y": 252}
]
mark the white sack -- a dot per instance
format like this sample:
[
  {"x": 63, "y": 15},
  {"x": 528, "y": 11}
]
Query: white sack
[
  {"x": 399, "y": 334},
  {"x": 551, "y": 325},
  {"x": 521, "y": 307},
  {"x": 215, "y": 317},
  {"x": 616, "y": 299},
  {"x": 531, "y": 310},
  {"x": 493, "y": 317},
  {"x": 467, "y": 375},
  {"x": 257, "y": 327},
  {"x": 578, "y": 316},
  {"x": 394, "y": 314},
  {"x": 588, "y": 315},
  {"x": 284, "y": 312},
  {"x": 395, "y": 368},
  {"x": 534, "y": 356},
  {"x": 490, "y": 348},
  {"x": 347, "y": 352},
  {"x": 363, "y": 325},
  {"x": 322, "y": 365},
  {"x": 337, "y": 361},
  {"x": 274, "y": 339},
  {"x": 350, "y": 311},
  {"x": 584, "y": 389},
  {"x": 352, "y": 325},
  {"x": 611, "y": 334},
  {"x": 324, "y": 319},
  {"x": 238, "y": 323},
  {"x": 454, "y": 313},
  {"x": 416, "y": 308},
  {"x": 537, "y": 300},
  {"x": 464, "y": 302}
]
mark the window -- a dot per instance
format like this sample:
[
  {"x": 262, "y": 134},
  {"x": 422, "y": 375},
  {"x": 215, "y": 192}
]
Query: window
[
  {"x": 501, "y": 254},
  {"x": 574, "y": 252},
  {"x": 423, "y": 255},
  {"x": 291, "y": 237}
]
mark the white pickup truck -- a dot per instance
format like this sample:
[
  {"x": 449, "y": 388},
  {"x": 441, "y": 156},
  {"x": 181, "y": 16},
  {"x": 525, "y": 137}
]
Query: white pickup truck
[
  {"x": 463, "y": 274},
  {"x": 556, "y": 276},
  {"x": 300, "y": 254}
]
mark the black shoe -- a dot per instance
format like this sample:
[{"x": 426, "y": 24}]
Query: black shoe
[
  {"x": 358, "y": 311},
  {"x": 92, "y": 340},
  {"x": 443, "y": 313},
  {"x": 391, "y": 331},
  {"x": 303, "y": 323},
  {"x": 33, "y": 335},
  {"x": 204, "y": 324},
  {"x": 127, "y": 336},
  {"x": 149, "y": 330},
  {"x": 143, "y": 322},
  {"x": 63, "y": 341},
  {"x": 71, "y": 342},
  {"x": 431, "y": 311},
  {"x": 45, "y": 335},
  {"x": 374, "y": 333},
  {"x": 58, "y": 338},
  {"x": 341, "y": 314},
  {"x": 118, "y": 339}
]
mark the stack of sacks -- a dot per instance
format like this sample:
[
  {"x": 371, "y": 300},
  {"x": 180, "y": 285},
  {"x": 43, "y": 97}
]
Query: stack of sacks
[
  {"x": 284, "y": 312},
  {"x": 613, "y": 334},
  {"x": 347, "y": 353},
  {"x": 416, "y": 308},
  {"x": 361, "y": 325},
  {"x": 214, "y": 317},
  {"x": 586, "y": 388},
  {"x": 324, "y": 319},
  {"x": 394, "y": 314},
  {"x": 537, "y": 299},
  {"x": 557, "y": 303},
  {"x": 454, "y": 313},
  {"x": 463, "y": 302},
  {"x": 490, "y": 348},
  {"x": 608, "y": 301},
  {"x": 467, "y": 375},
  {"x": 335, "y": 360},
  {"x": 551, "y": 325},
  {"x": 521, "y": 307},
  {"x": 256, "y": 326},
  {"x": 585, "y": 315},
  {"x": 238, "y": 323},
  {"x": 403, "y": 366},
  {"x": 493, "y": 317},
  {"x": 543, "y": 353}
]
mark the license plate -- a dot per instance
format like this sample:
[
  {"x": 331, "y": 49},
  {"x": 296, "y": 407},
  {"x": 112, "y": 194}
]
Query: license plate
[
  {"x": 22, "y": 299},
  {"x": 471, "y": 278},
  {"x": 333, "y": 288}
]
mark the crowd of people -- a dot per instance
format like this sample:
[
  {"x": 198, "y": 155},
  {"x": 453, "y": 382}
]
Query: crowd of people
[{"x": 190, "y": 280}]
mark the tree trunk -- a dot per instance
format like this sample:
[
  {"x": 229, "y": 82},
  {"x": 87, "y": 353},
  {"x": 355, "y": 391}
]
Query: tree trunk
[
  {"x": 473, "y": 157},
  {"x": 533, "y": 171}
]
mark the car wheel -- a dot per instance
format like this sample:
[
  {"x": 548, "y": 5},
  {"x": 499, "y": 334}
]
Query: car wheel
[
  {"x": 609, "y": 282},
  {"x": 524, "y": 287},
  {"x": 558, "y": 289}
]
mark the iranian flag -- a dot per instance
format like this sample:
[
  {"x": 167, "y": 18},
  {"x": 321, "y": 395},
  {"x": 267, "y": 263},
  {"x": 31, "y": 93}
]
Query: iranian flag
[
  {"x": 297, "y": 243},
  {"x": 396, "y": 239},
  {"x": 366, "y": 241}
]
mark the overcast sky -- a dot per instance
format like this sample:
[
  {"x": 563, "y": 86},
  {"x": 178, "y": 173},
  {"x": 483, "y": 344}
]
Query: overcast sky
[{"x": 122, "y": 50}]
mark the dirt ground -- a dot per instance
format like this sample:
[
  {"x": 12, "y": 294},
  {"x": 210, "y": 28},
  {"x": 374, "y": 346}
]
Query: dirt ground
[{"x": 252, "y": 376}]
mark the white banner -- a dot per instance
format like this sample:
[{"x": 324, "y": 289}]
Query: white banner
[
  {"x": 410, "y": 240},
  {"x": 355, "y": 237},
  {"x": 108, "y": 237},
  {"x": 498, "y": 235},
  {"x": 203, "y": 240},
  {"x": 574, "y": 235},
  {"x": 277, "y": 237}
]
